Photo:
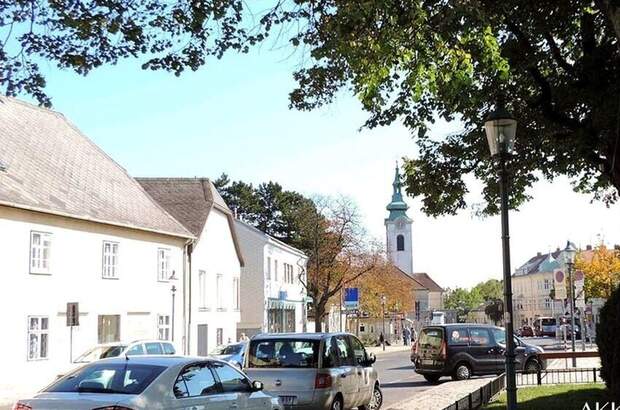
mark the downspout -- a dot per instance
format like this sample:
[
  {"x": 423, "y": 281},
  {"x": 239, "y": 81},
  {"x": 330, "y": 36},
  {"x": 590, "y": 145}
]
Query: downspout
[{"x": 188, "y": 294}]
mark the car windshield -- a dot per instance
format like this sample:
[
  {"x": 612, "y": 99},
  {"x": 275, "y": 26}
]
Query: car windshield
[
  {"x": 99, "y": 352},
  {"x": 281, "y": 353},
  {"x": 431, "y": 337},
  {"x": 119, "y": 378},
  {"x": 548, "y": 322},
  {"x": 227, "y": 349}
]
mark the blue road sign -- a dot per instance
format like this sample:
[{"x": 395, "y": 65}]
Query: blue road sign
[{"x": 351, "y": 298}]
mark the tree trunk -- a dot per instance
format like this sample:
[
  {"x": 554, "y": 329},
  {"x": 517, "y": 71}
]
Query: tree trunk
[{"x": 319, "y": 312}]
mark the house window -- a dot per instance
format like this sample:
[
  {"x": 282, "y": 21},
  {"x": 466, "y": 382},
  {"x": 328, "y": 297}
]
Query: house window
[
  {"x": 268, "y": 267},
  {"x": 275, "y": 270},
  {"x": 547, "y": 284},
  {"x": 362, "y": 328},
  {"x": 38, "y": 337},
  {"x": 110, "y": 260},
  {"x": 219, "y": 287},
  {"x": 108, "y": 328},
  {"x": 236, "y": 293},
  {"x": 163, "y": 264},
  {"x": 40, "y": 245},
  {"x": 400, "y": 243},
  {"x": 202, "y": 289},
  {"x": 219, "y": 336},
  {"x": 163, "y": 327}
]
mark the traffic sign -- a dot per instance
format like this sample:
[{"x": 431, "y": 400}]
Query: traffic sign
[
  {"x": 351, "y": 298},
  {"x": 73, "y": 314}
]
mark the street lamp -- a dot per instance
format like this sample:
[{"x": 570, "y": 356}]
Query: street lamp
[
  {"x": 500, "y": 128},
  {"x": 569, "y": 258},
  {"x": 383, "y": 299}
]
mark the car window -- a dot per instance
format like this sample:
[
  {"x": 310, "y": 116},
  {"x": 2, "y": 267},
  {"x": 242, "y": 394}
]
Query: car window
[
  {"x": 345, "y": 353},
  {"x": 135, "y": 350},
  {"x": 458, "y": 336},
  {"x": 358, "y": 350},
  {"x": 231, "y": 379},
  {"x": 431, "y": 337},
  {"x": 153, "y": 348},
  {"x": 278, "y": 353},
  {"x": 479, "y": 337},
  {"x": 500, "y": 337},
  {"x": 330, "y": 355},
  {"x": 121, "y": 378},
  {"x": 168, "y": 348},
  {"x": 195, "y": 380},
  {"x": 112, "y": 351}
]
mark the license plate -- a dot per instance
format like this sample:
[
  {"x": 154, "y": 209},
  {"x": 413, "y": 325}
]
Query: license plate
[
  {"x": 288, "y": 400},
  {"x": 428, "y": 362}
]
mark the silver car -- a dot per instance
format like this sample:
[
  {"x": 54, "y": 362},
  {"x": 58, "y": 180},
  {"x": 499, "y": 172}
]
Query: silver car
[
  {"x": 153, "y": 383},
  {"x": 232, "y": 353},
  {"x": 315, "y": 370}
]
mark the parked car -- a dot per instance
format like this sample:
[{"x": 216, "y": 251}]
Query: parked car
[
  {"x": 153, "y": 383},
  {"x": 315, "y": 370},
  {"x": 138, "y": 347},
  {"x": 232, "y": 353},
  {"x": 545, "y": 326},
  {"x": 566, "y": 328},
  {"x": 462, "y": 350},
  {"x": 526, "y": 331}
]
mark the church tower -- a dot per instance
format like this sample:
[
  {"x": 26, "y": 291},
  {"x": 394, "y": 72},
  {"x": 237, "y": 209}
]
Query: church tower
[{"x": 398, "y": 229}]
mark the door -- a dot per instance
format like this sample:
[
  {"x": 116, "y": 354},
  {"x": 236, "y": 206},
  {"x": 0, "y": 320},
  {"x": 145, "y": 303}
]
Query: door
[
  {"x": 484, "y": 350},
  {"x": 365, "y": 382},
  {"x": 347, "y": 371},
  {"x": 235, "y": 383},
  {"x": 202, "y": 339},
  {"x": 196, "y": 388},
  {"x": 109, "y": 328}
]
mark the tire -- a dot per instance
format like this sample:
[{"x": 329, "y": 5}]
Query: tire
[
  {"x": 376, "y": 400},
  {"x": 337, "y": 404},
  {"x": 532, "y": 366},
  {"x": 462, "y": 371},
  {"x": 432, "y": 378}
]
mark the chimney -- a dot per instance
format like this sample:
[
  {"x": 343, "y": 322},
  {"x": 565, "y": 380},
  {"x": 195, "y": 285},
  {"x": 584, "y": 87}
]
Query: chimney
[
  {"x": 589, "y": 247},
  {"x": 538, "y": 254}
]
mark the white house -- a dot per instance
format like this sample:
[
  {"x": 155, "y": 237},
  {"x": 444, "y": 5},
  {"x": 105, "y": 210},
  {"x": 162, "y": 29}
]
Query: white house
[
  {"x": 272, "y": 296},
  {"x": 215, "y": 262},
  {"x": 75, "y": 227}
]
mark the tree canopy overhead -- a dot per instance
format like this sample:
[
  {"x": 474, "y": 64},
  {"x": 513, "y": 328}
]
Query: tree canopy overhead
[{"x": 557, "y": 62}]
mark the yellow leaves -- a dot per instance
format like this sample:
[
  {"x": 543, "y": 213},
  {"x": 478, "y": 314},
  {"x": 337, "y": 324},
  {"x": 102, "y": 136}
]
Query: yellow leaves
[
  {"x": 386, "y": 280},
  {"x": 602, "y": 270}
]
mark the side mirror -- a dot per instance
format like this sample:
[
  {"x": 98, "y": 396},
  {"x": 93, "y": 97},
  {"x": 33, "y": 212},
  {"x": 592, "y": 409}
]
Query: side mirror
[
  {"x": 257, "y": 386},
  {"x": 372, "y": 358}
]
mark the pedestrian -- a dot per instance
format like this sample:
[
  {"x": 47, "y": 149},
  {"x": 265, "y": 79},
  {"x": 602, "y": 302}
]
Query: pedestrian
[
  {"x": 244, "y": 338},
  {"x": 382, "y": 340},
  {"x": 406, "y": 336},
  {"x": 413, "y": 336}
]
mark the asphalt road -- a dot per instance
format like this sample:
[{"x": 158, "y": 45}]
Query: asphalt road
[{"x": 398, "y": 380}]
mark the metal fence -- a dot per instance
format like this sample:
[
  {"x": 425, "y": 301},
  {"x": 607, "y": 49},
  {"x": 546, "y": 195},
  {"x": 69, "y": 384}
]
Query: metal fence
[
  {"x": 559, "y": 376},
  {"x": 481, "y": 396}
]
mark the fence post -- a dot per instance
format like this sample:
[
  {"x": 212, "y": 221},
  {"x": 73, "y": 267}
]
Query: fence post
[
  {"x": 481, "y": 396},
  {"x": 539, "y": 375},
  {"x": 594, "y": 371},
  {"x": 470, "y": 401}
]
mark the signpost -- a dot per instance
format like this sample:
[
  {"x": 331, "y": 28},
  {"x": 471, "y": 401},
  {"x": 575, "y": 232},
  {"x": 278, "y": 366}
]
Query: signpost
[
  {"x": 559, "y": 280},
  {"x": 73, "y": 319},
  {"x": 351, "y": 301}
]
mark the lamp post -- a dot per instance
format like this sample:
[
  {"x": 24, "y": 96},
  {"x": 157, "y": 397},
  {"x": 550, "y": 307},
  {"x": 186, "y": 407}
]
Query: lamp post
[
  {"x": 500, "y": 128},
  {"x": 383, "y": 318},
  {"x": 569, "y": 257}
]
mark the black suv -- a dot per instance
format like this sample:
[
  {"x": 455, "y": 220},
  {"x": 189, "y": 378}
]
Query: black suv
[{"x": 461, "y": 350}]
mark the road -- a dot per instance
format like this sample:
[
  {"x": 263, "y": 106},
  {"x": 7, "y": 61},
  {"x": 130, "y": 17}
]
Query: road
[{"x": 397, "y": 378}]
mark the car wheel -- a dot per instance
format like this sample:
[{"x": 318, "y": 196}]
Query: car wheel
[
  {"x": 432, "y": 378},
  {"x": 461, "y": 372},
  {"x": 532, "y": 366},
  {"x": 337, "y": 404},
  {"x": 375, "y": 401}
]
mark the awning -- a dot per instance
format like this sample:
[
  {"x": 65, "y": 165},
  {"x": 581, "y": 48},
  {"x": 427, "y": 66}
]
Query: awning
[{"x": 281, "y": 304}]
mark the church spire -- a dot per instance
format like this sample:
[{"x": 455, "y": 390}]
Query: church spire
[{"x": 397, "y": 207}]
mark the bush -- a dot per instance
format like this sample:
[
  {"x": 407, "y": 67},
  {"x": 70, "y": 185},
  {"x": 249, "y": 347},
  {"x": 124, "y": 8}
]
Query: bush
[{"x": 608, "y": 341}]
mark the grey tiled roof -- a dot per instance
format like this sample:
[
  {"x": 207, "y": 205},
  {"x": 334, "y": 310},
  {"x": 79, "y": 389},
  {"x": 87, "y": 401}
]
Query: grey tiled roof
[
  {"x": 51, "y": 167},
  {"x": 425, "y": 280}
]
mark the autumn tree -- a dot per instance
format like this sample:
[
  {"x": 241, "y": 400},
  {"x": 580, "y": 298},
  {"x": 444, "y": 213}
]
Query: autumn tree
[{"x": 601, "y": 269}]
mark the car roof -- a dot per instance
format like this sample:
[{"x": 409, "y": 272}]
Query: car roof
[
  {"x": 450, "y": 325},
  {"x": 156, "y": 360},
  {"x": 304, "y": 336}
]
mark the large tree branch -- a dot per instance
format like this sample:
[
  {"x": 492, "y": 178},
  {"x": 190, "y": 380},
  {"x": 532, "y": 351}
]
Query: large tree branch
[{"x": 557, "y": 54}]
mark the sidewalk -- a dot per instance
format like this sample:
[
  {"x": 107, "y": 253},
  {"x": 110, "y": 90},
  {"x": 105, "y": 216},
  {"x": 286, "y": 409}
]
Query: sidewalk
[
  {"x": 442, "y": 395},
  {"x": 378, "y": 350}
]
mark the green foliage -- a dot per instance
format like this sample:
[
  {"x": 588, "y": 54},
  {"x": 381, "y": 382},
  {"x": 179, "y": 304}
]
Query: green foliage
[
  {"x": 607, "y": 335},
  {"x": 463, "y": 301},
  {"x": 495, "y": 310},
  {"x": 490, "y": 290}
]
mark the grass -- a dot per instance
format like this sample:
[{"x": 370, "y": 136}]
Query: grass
[{"x": 560, "y": 397}]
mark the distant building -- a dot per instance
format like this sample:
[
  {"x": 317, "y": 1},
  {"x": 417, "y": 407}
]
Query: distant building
[
  {"x": 428, "y": 298},
  {"x": 478, "y": 315},
  {"x": 75, "y": 227},
  {"x": 214, "y": 279},
  {"x": 273, "y": 298}
]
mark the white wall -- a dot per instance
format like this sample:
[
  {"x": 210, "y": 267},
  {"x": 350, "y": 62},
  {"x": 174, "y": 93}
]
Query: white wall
[
  {"x": 402, "y": 259},
  {"x": 215, "y": 254},
  {"x": 76, "y": 276}
]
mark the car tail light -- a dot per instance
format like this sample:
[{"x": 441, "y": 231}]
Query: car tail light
[
  {"x": 322, "y": 381},
  {"x": 113, "y": 408},
  {"x": 21, "y": 406},
  {"x": 442, "y": 351}
]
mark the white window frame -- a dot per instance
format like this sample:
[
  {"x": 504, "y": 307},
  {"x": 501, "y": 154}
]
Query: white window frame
[
  {"x": 39, "y": 332},
  {"x": 202, "y": 290},
  {"x": 275, "y": 270},
  {"x": 236, "y": 295},
  {"x": 268, "y": 273},
  {"x": 164, "y": 327},
  {"x": 38, "y": 264},
  {"x": 163, "y": 264},
  {"x": 219, "y": 289},
  {"x": 109, "y": 260}
]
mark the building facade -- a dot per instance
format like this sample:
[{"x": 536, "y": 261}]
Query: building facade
[
  {"x": 273, "y": 298},
  {"x": 428, "y": 298},
  {"x": 398, "y": 229},
  {"x": 214, "y": 285},
  {"x": 75, "y": 228}
]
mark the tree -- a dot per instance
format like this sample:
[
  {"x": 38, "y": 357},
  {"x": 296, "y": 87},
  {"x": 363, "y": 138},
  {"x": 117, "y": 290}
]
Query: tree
[
  {"x": 607, "y": 334},
  {"x": 385, "y": 280},
  {"x": 602, "y": 271},
  {"x": 463, "y": 301},
  {"x": 495, "y": 310},
  {"x": 491, "y": 290},
  {"x": 557, "y": 62}
]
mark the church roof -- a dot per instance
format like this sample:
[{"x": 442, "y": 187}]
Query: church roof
[
  {"x": 397, "y": 206},
  {"x": 425, "y": 280}
]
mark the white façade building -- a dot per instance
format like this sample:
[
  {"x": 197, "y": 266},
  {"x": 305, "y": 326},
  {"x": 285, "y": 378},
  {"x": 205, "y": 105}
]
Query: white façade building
[
  {"x": 398, "y": 229},
  {"x": 215, "y": 260},
  {"x": 75, "y": 227},
  {"x": 272, "y": 296}
]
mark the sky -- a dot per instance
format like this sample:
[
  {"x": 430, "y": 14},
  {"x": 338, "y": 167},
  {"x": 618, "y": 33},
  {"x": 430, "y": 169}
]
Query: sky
[{"x": 232, "y": 116}]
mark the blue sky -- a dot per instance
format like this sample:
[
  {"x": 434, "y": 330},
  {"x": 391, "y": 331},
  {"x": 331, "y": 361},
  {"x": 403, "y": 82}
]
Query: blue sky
[{"x": 232, "y": 116}]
